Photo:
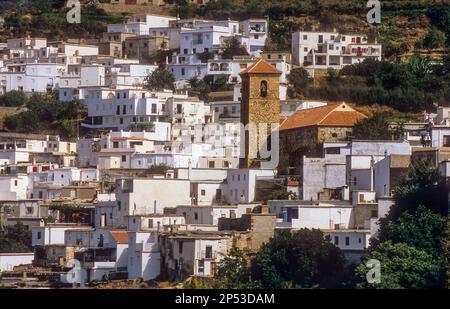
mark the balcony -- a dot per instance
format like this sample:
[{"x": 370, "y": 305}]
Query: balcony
[
  {"x": 211, "y": 256},
  {"x": 219, "y": 68}
]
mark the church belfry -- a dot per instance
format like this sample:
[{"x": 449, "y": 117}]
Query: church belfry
[{"x": 260, "y": 104}]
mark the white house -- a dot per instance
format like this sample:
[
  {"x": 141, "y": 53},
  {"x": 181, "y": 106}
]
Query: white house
[
  {"x": 10, "y": 260},
  {"x": 322, "y": 50},
  {"x": 150, "y": 195}
]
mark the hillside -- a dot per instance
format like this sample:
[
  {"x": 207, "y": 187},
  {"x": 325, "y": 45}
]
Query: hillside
[{"x": 405, "y": 24}]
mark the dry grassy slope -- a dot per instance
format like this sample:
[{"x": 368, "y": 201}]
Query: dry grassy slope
[
  {"x": 400, "y": 30},
  {"x": 122, "y": 9}
]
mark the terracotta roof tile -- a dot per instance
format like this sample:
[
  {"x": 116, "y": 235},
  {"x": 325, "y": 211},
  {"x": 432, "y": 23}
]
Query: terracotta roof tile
[
  {"x": 121, "y": 237},
  {"x": 330, "y": 115},
  {"x": 261, "y": 66}
]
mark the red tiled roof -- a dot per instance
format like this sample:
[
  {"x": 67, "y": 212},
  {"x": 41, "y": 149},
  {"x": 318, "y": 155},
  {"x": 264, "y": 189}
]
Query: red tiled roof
[
  {"x": 261, "y": 66},
  {"x": 121, "y": 237},
  {"x": 330, "y": 115}
]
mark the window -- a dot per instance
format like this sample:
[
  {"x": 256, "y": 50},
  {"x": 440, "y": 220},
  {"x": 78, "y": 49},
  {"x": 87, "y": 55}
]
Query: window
[
  {"x": 180, "y": 247},
  {"x": 203, "y": 192},
  {"x": 15, "y": 183},
  {"x": 153, "y": 108},
  {"x": 336, "y": 240},
  {"x": 211, "y": 164},
  {"x": 446, "y": 141},
  {"x": 263, "y": 88},
  {"x": 195, "y": 216},
  {"x": 201, "y": 266},
  {"x": 115, "y": 144},
  {"x": 374, "y": 213},
  {"x": 305, "y": 49},
  {"x": 243, "y": 66},
  {"x": 359, "y": 240},
  {"x": 39, "y": 235},
  {"x": 182, "y": 71},
  {"x": 124, "y": 158},
  {"x": 305, "y": 37},
  {"x": 208, "y": 252},
  {"x": 239, "y": 177},
  {"x": 347, "y": 241}
]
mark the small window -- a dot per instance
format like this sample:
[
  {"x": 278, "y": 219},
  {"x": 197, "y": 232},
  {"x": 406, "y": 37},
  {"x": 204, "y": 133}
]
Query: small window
[
  {"x": 336, "y": 240},
  {"x": 124, "y": 158},
  {"x": 180, "y": 247},
  {"x": 39, "y": 235},
  {"x": 203, "y": 192},
  {"x": 195, "y": 216},
  {"x": 208, "y": 252},
  {"x": 347, "y": 241},
  {"x": 263, "y": 89},
  {"x": 201, "y": 266}
]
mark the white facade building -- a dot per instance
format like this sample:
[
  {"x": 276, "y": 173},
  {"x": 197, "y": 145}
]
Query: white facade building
[{"x": 322, "y": 50}]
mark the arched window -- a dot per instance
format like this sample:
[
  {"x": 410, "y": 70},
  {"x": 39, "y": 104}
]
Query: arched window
[{"x": 263, "y": 88}]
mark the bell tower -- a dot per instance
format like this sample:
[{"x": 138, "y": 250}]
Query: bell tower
[{"x": 260, "y": 104}]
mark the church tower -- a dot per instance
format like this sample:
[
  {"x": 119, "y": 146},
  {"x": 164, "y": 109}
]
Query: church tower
[{"x": 260, "y": 104}]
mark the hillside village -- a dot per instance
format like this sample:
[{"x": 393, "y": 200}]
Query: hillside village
[{"x": 159, "y": 180}]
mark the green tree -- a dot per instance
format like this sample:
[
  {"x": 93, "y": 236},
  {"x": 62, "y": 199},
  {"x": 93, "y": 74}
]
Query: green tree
[
  {"x": 199, "y": 88},
  {"x": 15, "y": 238},
  {"x": 422, "y": 229},
  {"x": 402, "y": 267},
  {"x": 13, "y": 98},
  {"x": 421, "y": 185},
  {"x": 159, "y": 80},
  {"x": 233, "y": 271},
  {"x": 232, "y": 47},
  {"x": 303, "y": 258},
  {"x": 375, "y": 127},
  {"x": 434, "y": 39},
  {"x": 299, "y": 79}
]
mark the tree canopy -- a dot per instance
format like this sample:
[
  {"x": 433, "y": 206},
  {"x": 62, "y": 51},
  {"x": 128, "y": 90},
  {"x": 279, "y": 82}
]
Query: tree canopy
[
  {"x": 15, "y": 238},
  {"x": 43, "y": 113},
  {"x": 376, "y": 127},
  {"x": 159, "y": 80},
  {"x": 401, "y": 267},
  {"x": 304, "y": 258}
]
